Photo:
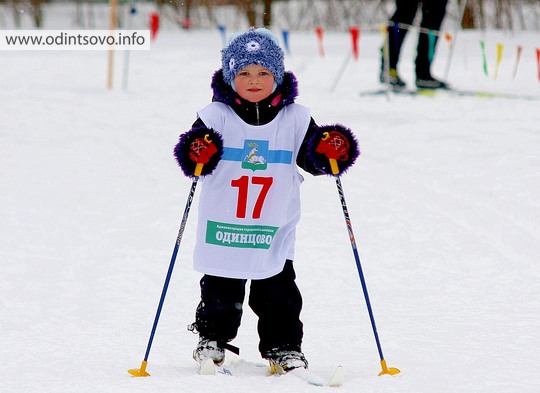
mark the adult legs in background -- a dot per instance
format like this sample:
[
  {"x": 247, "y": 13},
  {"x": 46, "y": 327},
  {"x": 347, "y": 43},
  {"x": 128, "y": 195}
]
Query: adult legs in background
[{"x": 433, "y": 12}]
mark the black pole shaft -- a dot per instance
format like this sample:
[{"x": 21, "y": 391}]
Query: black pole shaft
[
  {"x": 171, "y": 265},
  {"x": 358, "y": 264}
]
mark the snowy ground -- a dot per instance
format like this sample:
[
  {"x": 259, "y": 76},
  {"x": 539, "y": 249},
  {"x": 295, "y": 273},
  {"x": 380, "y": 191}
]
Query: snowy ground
[{"x": 443, "y": 200}]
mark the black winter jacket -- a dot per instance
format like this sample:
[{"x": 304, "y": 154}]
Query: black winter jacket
[{"x": 265, "y": 111}]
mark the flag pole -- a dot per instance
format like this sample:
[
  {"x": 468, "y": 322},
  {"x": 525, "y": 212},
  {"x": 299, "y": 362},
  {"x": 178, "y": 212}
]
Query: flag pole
[{"x": 113, "y": 5}]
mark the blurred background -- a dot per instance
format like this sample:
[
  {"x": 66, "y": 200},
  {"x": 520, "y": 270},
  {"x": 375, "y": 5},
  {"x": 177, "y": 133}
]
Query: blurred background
[{"x": 299, "y": 15}]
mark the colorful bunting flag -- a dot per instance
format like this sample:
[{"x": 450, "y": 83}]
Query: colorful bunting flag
[
  {"x": 483, "y": 47},
  {"x": 285, "y": 34},
  {"x": 538, "y": 61},
  {"x": 500, "y": 49},
  {"x": 223, "y": 32},
  {"x": 319, "y": 31},
  {"x": 518, "y": 58},
  {"x": 449, "y": 39},
  {"x": 154, "y": 25},
  {"x": 355, "y": 33}
]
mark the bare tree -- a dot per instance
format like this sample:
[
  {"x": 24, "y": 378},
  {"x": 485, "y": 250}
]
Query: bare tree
[
  {"x": 249, "y": 7},
  {"x": 473, "y": 15},
  {"x": 267, "y": 13},
  {"x": 504, "y": 13},
  {"x": 37, "y": 13},
  {"x": 35, "y": 8},
  {"x": 468, "y": 21},
  {"x": 175, "y": 5},
  {"x": 503, "y": 10}
]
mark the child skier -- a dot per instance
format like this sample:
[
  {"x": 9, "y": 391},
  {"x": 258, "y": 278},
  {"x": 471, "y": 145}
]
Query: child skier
[{"x": 245, "y": 145}]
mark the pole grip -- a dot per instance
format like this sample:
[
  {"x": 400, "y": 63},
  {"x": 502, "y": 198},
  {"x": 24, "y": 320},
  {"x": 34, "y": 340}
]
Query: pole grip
[
  {"x": 198, "y": 169},
  {"x": 334, "y": 166}
]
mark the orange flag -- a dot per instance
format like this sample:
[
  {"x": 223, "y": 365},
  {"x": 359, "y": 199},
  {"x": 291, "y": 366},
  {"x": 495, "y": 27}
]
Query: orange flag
[
  {"x": 538, "y": 61},
  {"x": 319, "y": 31}
]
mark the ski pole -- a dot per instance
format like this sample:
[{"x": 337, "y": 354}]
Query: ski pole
[
  {"x": 141, "y": 372},
  {"x": 457, "y": 26},
  {"x": 341, "y": 71},
  {"x": 385, "y": 368}
]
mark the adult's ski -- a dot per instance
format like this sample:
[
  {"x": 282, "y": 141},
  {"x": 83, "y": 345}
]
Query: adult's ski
[{"x": 450, "y": 92}]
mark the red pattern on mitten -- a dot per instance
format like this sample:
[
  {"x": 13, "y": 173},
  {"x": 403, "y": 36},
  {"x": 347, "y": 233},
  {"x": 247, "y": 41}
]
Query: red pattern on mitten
[
  {"x": 334, "y": 145},
  {"x": 201, "y": 150}
]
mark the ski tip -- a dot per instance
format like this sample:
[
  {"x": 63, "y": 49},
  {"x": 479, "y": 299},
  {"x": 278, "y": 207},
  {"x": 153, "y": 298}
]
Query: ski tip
[
  {"x": 338, "y": 378},
  {"x": 207, "y": 367}
]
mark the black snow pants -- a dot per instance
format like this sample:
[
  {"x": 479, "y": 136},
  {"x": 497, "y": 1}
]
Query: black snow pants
[
  {"x": 433, "y": 12},
  {"x": 276, "y": 301}
]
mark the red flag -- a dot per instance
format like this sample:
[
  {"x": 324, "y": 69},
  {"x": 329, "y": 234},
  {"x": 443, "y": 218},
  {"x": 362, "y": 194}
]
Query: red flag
[
  {"x": 154, "y": 25},
  {"x": 355, "y": 33}
]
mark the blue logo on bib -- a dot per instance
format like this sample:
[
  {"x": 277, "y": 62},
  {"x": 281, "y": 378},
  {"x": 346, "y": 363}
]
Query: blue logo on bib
[{"x": 255, "y": 155}]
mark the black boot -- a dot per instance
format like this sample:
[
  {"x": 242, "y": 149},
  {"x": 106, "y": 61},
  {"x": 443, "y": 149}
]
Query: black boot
[
  {"x": 431, "y": 83},
  {"x": 392, "y": 78},
  {"x": 389, "y": 76}
]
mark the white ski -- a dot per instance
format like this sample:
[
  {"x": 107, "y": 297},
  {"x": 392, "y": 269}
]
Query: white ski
[
  {"x": 207, "y": 367},
  {"x": 449, "y": 91},
  {"x": 312, "y": 378},
  {"x": 337, "y": 379}
]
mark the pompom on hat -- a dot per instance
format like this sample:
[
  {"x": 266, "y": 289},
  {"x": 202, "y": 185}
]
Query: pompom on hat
[{"x": 255, "y": 46}]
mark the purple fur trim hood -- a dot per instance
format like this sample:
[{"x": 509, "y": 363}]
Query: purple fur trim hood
[{"x": 224, "y": 93}]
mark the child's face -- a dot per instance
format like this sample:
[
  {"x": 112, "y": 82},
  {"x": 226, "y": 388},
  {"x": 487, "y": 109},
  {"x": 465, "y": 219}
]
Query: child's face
[{"x": 254, "y": 83}]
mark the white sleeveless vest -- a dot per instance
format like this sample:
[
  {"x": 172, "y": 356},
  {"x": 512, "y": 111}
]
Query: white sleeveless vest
[{"x": 250, "y": 205}]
